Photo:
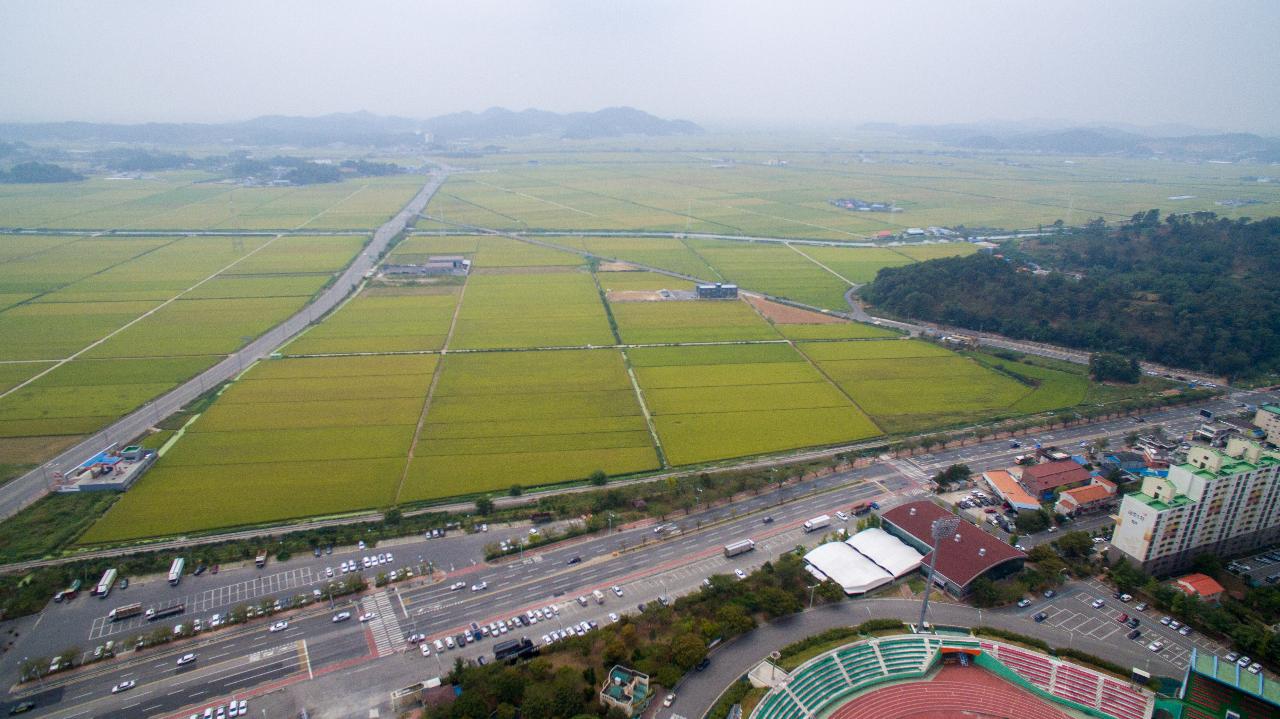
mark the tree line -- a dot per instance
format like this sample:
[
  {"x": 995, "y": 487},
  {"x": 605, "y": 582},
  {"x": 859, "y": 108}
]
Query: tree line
[{"x": 1195, "y": 291}]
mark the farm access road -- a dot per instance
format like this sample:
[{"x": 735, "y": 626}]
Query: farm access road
[{"x": 33, "y": 485}]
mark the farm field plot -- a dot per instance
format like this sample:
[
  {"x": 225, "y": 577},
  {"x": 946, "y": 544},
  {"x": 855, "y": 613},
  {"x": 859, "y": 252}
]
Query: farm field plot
[
  {"x": 665, "y": 254},
  {"x": 299, "y": 253},
  {"x": 689, "y": 321},
  {"x": 194, "y": 327},
  {"x": 265, "y": 454},
  {"x": 82, "y": 395},
  {"x": 58, "y": 205},
  {"x": 485, "y": 251},
  {"x": 858, "y": 265},
  {"x": 775, "y": 269},
  {"x": 651, "y": 281},
  {"x": 716, "y": 402},
  {"x": 383, "y": 320},
  {"x": 54, "y": 330},
  {"x": 528, "y": 418},
  {"x": 11, "y": 373},
  {"x": 69, "y": 261},
  {"x": 909, "y": 385},
  {"x": 544, "y": 309},
  {"x": 797, "y": 323}
]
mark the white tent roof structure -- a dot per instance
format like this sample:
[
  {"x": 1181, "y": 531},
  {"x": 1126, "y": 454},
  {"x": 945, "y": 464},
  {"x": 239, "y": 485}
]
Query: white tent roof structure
[
  {"x": 887, "y": 551},
  {"x": 843, "y": 565}
]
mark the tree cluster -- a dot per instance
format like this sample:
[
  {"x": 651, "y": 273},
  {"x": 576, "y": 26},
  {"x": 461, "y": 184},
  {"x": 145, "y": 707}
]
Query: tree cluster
[
  {"x": 1107, "y": 367},
  {"x": 38, "y": 172},
  {"x": 1194, "y": 291}
]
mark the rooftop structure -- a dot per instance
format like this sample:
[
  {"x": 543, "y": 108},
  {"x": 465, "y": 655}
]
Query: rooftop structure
[
  {"x": 1041, "y": 479},
  {"x": 626, "y": 689},
  {"x": 869, "y": 559},
  {"x": 1268, "y": 420},
  {"x": 1098, "y": 494},
  {"x": 968, "y": 554},
  {"x": 717, "y": 291},
  {"x": 1199, "y": 585},
  {"x": 1007, "y": 488}
]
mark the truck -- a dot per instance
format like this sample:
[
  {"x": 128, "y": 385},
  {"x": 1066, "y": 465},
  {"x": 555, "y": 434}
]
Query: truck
[
  {"x": 261, "y": 560},
  {"x": 599, "y": 595},
  {"x": 175, "y": 571},
  {"x": 514, "y": 650},
  {"x": 861, "y": 508},
  {"x": 742, "y": 546},
  {"x": 817, "y": 523},
  {"x": 104, "y": 585},
  {"x": 169, "y": 611},
  {"x": 128, "y": 610}
]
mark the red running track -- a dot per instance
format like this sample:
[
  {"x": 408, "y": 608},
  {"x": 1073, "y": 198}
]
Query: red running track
[{"x": 953, "y": 693}]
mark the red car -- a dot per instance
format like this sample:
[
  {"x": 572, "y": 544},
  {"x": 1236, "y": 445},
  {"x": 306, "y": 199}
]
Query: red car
[{"x": 1122, "y": 618}]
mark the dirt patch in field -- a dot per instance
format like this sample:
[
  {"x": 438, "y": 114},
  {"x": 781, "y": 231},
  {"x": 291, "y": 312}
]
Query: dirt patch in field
[
  {"x": 616, "y": 267},
  {"x": 634, "y": 296},
  {"x": 787, "y": 315}
]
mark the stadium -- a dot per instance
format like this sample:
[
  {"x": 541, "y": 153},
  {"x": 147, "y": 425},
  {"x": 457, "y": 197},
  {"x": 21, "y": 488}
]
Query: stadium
[{"x": 951, "y": 674}]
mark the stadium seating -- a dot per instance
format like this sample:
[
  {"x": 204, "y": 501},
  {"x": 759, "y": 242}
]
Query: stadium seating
[
  {"x": 953, "y": 690},
  {"x": 1122, "y": 701}
]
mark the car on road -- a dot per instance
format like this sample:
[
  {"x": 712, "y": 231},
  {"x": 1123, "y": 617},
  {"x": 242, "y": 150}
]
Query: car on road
[
  {"x": 613, "y": 617},
  {"x": 1050, "y": 594},
  {"x": 367, "y": 616},
  {"x": 875, "y": 505},
  {"x": 575, "y": 559},
  {"x": 457, "y": 585},
  {"x": 341, "y": 616},
  {"x": 278, "y": 626},
  {"x": 768, "y": 520},
  {"x": 1098, "y": 604},
  {"x": 22, "y": 708},
  {"x": 669, "y": 700},
  {"x": 1040, "y": 617},
  {"x": 1021, "y": 548},
  {"x": 739, "y": 574},
  {"x": 617, "y": 590},
  {"x": 186, "y": 659},
  {"x": 479, "y": 586},
  {"x": 1024, "y": 603},
  {"x": 706, "y": 662},
  {"x": 123, "y": 686}
]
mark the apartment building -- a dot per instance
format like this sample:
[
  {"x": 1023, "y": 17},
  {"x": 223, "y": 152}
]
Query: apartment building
[{"x": 1221, "y": 501}]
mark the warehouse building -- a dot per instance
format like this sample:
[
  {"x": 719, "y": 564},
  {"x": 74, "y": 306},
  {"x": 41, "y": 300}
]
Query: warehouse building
[
  {"x": 968, "y": 554},
  {"x": 718, "y": 291},
  {"x": 866, "y": 561}
]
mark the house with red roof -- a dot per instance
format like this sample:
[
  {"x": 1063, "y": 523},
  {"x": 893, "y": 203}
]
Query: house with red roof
[
  {"x": 1041, "y": 479},
  {"x": 1199, "y": 585}
]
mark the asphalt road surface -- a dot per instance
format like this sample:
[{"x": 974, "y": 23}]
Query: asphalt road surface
[{"x": 35, "y": 484}]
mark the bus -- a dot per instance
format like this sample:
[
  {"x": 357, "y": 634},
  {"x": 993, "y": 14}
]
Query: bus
[
  {"x": 104, "y": 585},
  {"x": 513, "y": 650},
  {"x": 175, "y": 571},
  {"x": 741, "y": 546}
]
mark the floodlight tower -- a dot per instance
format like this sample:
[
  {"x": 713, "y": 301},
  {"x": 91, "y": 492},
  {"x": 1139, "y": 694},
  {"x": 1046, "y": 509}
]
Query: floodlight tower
[{"x": 941, "y": 529}]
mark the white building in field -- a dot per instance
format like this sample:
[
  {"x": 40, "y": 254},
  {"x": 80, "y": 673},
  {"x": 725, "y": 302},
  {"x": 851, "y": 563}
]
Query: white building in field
[{"x": 1221, "y": 501}]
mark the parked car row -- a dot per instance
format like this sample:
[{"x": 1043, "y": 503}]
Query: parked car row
[{"x": 231, "y": 709}]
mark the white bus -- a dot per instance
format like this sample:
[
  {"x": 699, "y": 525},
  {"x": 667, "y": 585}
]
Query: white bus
[
  {"x": 175, "y": 571},
  {"x": 104, "y": 586}
]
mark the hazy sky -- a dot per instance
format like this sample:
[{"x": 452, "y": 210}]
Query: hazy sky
[{"x": 1210, "y": 64}]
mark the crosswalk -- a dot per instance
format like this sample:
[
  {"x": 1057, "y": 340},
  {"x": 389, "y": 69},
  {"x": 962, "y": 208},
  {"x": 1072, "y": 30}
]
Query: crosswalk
[
  {"x": 385, "y": 626},
  {"x": 909, "y": 468}
]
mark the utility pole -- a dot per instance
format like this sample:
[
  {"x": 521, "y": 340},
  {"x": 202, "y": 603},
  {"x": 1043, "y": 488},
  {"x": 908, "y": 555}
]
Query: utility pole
[{"x": 941, "y": 529}]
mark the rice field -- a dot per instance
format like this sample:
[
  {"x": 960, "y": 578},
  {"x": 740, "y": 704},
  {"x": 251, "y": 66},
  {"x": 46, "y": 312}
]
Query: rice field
[
  {"x": 775, "y": 269},
  {"x": 717, "y": 402},
  {"x": 689, "y": 321},
  {"x": 539, "y": 309},
  {"x": 528, "y": 418},
  {"x": 406, "y": 319}
]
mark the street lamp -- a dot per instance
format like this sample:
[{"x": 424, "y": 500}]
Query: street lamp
[{"x": 941, "y": 528}]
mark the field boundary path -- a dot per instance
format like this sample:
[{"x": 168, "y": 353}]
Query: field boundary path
[{"x": 21, "y": 492}]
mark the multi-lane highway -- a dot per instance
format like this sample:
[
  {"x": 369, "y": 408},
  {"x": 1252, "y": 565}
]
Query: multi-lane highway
[{"x": 249, "y": 660}]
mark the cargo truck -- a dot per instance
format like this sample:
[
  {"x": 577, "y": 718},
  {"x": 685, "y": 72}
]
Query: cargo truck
[
  {"x": 169, "y": 611},
  {"x": 599, "y": 595},
  {"x": 128, "y": 610},
  {"x": 742, "y": 546},
  {"x": 817, "y": 523}
]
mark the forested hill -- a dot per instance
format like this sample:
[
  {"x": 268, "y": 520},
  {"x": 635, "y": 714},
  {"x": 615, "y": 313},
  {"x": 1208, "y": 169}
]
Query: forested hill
[{"x": 1194, "y": 291}]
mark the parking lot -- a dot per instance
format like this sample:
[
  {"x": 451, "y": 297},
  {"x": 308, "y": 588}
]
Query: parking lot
[
  {"x": 1073, "y": 612},
  {"x": 1258, "y": 567}
]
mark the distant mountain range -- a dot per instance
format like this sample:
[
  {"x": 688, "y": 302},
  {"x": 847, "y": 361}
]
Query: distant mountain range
[
  {"x": 362, "y": 128},
  {"x": 1097, "y": 140}
]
